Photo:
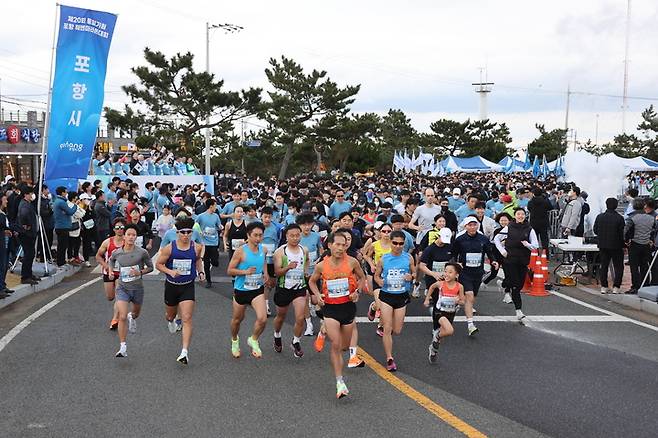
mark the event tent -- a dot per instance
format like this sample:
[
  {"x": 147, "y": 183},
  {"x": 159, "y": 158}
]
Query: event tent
[
  {"x": 634, "y": 164},
  {"x": 472, "y": 164},
  {"x": 519, "y": 166}
]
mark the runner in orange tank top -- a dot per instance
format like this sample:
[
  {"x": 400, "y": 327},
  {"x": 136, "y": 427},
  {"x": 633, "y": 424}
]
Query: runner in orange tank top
[
  {"x": 106, "y": 249},
  {"x": 342, "y": 277},
  {"x": 447, "y": 296}
]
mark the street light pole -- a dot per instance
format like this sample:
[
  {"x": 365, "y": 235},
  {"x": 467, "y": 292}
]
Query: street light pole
[{"x": 228, "y": 28}]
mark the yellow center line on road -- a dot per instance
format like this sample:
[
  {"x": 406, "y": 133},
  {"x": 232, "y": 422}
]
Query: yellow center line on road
[{"x": 434, "y": 408}]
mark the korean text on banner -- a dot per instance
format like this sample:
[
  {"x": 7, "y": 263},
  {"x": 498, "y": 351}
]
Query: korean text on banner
[{"x": 78, "y": 90}]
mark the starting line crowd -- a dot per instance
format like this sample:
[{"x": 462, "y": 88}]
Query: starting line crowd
[{"x": 317, "y": 244}]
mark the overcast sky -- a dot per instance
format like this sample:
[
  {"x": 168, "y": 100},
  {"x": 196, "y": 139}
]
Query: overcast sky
[{"x": 418, "y": 56}]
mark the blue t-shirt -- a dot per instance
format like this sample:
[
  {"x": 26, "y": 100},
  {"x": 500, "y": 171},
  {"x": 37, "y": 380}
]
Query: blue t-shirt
[
  {"x": 463, "y": 212},
  {"x": 394, "y": 268},
  {"x": 454, "y": 204},
  {"x": 313, "y": 245},
  {"x": 270, "y": 241},
  {"x": 337, "y": 208},
  {"x": 210, "y": 226}
]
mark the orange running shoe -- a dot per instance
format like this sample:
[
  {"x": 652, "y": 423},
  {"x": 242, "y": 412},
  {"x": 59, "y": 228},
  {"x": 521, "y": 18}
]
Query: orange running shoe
[
  {"x": 114, "y": 324},
  {"x": 356, "y": 362},
  {"x": 319, "y": 342}
]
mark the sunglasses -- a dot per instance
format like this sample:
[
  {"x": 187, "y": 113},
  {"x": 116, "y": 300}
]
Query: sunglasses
[
  {"x": 397, "y": 243},
  {"x": 185, "y": 231},
  {"x": 385, "y": 231},
  {"x": 119, "y": 227}
]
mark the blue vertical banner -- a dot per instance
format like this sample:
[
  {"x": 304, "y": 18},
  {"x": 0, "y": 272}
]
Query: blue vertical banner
[{"x": 83, "y": 43}]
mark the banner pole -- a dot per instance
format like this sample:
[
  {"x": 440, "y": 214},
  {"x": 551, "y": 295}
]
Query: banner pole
[{"x": 46, "y": 130}]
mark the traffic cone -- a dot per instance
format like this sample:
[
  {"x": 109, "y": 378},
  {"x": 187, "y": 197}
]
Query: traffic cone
[
  {"x": 544, "y": 267},
  {"x": 533, "y": 259},
  {"x": 538, "y": 289},
  {"x": 527, "y": 285}
]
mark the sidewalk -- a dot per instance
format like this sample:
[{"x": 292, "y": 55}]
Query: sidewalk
[{"x": 24, "y": 290}]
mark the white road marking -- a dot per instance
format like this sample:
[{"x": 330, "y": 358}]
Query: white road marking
[
  {"x": 512, "y": 318},
  {"x": 6, "y": 339},
  {"x": 607, "y": 312}
]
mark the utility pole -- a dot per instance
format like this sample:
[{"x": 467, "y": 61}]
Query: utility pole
[
  {"x": 242, "y": 146},
  {"x": 596, "y": 133},
  {"x": 228, "y": 28},
  {"x": 624, "y": 104},
  {"x": 483, "y": 88}
]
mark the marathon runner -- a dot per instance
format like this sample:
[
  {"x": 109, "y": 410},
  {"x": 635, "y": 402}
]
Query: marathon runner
[
  {"x": 181, "y": 262},
  {"x": 270, "y": 243},
  {"x": 210, "y": 225},
  {"x": 131, "y": 262},
  {"x": 250, "y": 271},
  {"x": 469, "y": 249},
  {"x": 312, "y": 243},
  {"x": 446, "y": 296},
  {"x": 394, "y": 273},
  {"x": 291, "y": 269},
  {"x": 436, "y": 256},
  {"x": 106, "y": 249},
  {"x": 341, "y": 277}
]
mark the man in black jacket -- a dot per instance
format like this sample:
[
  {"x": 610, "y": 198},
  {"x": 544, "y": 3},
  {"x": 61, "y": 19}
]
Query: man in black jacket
[
  {"x": 609, "y": 228},
  {"x": 27, "y": 234},
  {"x": 538, "y": 207}
]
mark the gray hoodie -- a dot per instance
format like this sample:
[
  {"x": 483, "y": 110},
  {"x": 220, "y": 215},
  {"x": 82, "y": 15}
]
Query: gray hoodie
[{"x": 571, "y": 216}]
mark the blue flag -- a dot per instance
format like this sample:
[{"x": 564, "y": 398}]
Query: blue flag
[
  {"x": 83, "y": 42},
  {"x": 526, "y": 164},
  {"x": 535, "y": 167}
]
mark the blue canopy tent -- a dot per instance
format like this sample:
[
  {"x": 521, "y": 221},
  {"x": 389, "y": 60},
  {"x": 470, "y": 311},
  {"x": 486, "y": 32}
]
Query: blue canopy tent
[
  {"x": 472, "y": 164},
  {"x": 518, "y": 166}
]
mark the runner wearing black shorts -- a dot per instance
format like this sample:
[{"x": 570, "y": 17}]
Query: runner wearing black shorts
[{"x": 181, "y": 261}]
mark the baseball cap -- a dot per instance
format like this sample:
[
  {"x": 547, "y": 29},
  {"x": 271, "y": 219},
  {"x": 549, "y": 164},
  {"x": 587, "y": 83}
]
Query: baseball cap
[
  {"x": 445, "y": 234},
  {"x": 85, "y": 196},
  {"x": 469, "y": 219},
  {"x": 456, "y": 191},
  {"x": 506, "y": 198}
]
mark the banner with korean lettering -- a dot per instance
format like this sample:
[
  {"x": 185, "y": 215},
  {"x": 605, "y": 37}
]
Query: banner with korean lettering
[{"x": 78, "y": 90}]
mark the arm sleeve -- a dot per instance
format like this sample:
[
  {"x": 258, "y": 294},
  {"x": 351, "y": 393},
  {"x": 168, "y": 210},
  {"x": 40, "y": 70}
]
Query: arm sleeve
[
  {"x": 534, "y": 242},
  {"x": 148, "y": 263},
  {"x": 498, "y": 241}
]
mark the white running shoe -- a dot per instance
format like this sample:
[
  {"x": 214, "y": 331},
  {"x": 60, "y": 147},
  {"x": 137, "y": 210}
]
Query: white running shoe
[
  {"x": 519, "y": 315},
  {"x": 267, "y": 305},
  {"x": 87, "y": 264},
  {"x": 472, "y": 330},
  {"x": 122, "y": 352},
  {"x": 171, "y": 325},
  {"x": 179, "y": 324},
  {"x": 132, "y": 324},
  {"x": 604, "y": 290},
  {"x": 183, "y": 358},
  {"x": 416, "y": 291},
  {"x": 615, "y": 290},
  {"x": 507, "y": 298},
  {"x": 309, "y": 330}
]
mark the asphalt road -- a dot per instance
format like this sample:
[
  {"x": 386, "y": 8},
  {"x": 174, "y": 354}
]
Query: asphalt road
[{"x": 590, "y": 378}]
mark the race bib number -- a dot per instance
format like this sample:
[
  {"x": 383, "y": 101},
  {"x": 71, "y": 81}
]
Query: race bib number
[
  {"x": 236, "y": 243},
  {"x": 139, "y": 241},
  {"x": 294, "y": 277},
  {"x": 447, "y": 304},
  {"x": 473, "y": 259},
  {"x": 210, "y": 232},
  {"x": 89, "y": 224},
  {"x": 269, "y": 252},
  {"x": 395, "y": 280},
  {"x": 184, "y": 266},
  {"x": 439, "y": 267},
  {"x": 253, "y": 281},
  {"x": 126, "y": 275},
  {"x": 338, "y": 288}
]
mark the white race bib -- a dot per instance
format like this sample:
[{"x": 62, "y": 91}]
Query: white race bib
[
  {"x": 236, "y": 243},
  {"x": 447, "y": 304},
  {"x": 439, "y": 267},
  {"x": 294, "y": 277},
  {"x": 139, "y": 241},
  {"x": 89, "y": 224},
  {"x": 253, "y": 281},
  {"x": 210, "y": 232},
  {"x": 339, "y": 287},
  {"x": 125, "y": 275},
  {"x": 473, "y": 259},
  {"x": 184, "y": 266}
]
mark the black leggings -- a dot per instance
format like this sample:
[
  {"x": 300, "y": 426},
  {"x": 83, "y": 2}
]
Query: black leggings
[
  {"x": 515, "y": 273},
  {"x": 210, "y": 257}
]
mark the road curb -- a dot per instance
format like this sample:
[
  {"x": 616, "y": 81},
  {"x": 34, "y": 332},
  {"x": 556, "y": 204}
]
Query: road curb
[
  {"x": 25, "y": 290},
  {"x": 632, "y": 301}
]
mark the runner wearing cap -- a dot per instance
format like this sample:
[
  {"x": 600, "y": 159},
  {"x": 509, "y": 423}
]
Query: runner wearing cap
[
  {"x": 455, "y": 201},
  {"x": 435, "y": 257},
  {"x": 422, "y": 221},
  {"x": 469, "y": 249}
]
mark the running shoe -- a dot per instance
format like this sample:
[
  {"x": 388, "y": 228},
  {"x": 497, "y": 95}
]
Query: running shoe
[
  {"x": 267, "y": 307},
  {"x": 182, "y": 358},
  {"x": 309, "y": 330},
  {"x": 380, "y": 331},
  {"x": 235, "y": 348},
  {"x": 416, "y": 291},
  {"x": 277, "y": 344},
  {"x": 171, "y": 325},
  {"x": 132, "y": 324},
  {"x": 255, "y": 347},
  {"x": 319, "y": 342},
  {"x": 519, "y": 315},
  {"x": 355, "y": 362},
  {"x": 114, "y": 324},
  {"x": 432, "y": 353},
  {"x": 297, "y": 349},
  {"x": 341, "y": 390},
  {"x": 390, "y": 365},
  {"x": 87, "y": 264},
  {"x": 121, "y": 353},
  {"x": 472, "y": 330},
  {"x": 371, "y": 311},
  {"x": 507, "y": 298},
  {"x": 604, "y": 290},
  {"x": 179, "y": 325}
]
